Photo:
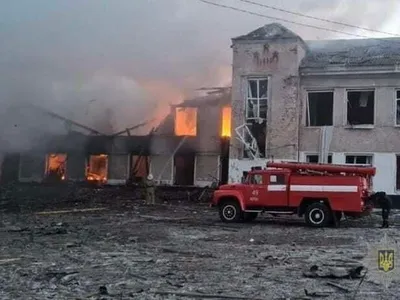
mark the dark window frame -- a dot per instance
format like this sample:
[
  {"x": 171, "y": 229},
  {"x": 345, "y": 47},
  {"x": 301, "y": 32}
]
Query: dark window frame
[
  {"x": 330, "y": 157},
  {"x": 351, "y": 104},
  {"x": 358, "y": 159},
  {"x": 314, "y": 109}
]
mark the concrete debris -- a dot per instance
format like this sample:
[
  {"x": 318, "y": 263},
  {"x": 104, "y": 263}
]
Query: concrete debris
[
  {"x": 334, "y": 273},
  {"x": 340, "y": 287}
]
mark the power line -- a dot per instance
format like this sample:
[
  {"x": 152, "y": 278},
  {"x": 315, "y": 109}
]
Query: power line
[
  {"x": 316, "y": 18},
  {"x": 283, "y": 20}
]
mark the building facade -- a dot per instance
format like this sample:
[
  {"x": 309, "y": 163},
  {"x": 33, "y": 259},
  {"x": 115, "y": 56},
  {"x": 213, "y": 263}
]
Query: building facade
[{"x": 335, "y": 101}]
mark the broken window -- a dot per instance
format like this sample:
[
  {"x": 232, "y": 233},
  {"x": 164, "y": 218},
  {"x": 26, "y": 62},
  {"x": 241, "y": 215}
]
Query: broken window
[
  {"x": 56, "y": 166},
  {"x": 139, "y": 167},
  {"x": 257, "y": 99},
  {"x": 360, "y": 107},
  {"x": 186, "y": 121},
  {"x": 226, "y": 121},
  {"x": 314, "y": 158},
  {"x": 253, "y": 132},
  {"x": 253, "y": 136},
  {"x": 97, "y": 168},
  {"x": 319, "y": 109},
  {"x": 398, "y": 107},
  {"x": 359, "y": 159}
]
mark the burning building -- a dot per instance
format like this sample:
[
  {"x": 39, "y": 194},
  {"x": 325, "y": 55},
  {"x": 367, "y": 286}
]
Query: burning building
[{"x": 190, "y": 147}]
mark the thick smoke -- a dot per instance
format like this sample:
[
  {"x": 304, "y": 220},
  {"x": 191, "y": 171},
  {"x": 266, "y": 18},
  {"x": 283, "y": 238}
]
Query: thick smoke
[{"x": 111, "y": 65}]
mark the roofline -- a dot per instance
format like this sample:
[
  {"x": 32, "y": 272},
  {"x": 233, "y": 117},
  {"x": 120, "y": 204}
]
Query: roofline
[
  {"x": 358, "y": 39},
  {"x": 244, "y": 41},
  {"x": 345, "y": 70}
]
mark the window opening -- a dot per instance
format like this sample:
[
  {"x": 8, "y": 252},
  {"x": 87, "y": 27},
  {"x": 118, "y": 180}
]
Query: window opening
[
  {"x": 360, "y": 107},
  {"x": 319, "y": 109}
]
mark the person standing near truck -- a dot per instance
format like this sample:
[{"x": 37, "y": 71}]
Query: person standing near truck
[{"x": 380, "y": 199}]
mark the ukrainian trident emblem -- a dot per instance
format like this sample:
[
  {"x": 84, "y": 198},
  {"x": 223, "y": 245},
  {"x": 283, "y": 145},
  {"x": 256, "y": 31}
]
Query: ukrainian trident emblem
[
  {"x": 382, "y": 260},
  {"x": 386, "y": 260}
]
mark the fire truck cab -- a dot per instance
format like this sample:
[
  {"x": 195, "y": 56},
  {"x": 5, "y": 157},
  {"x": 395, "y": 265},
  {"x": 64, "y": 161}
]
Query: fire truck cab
[{"x": 321, "y": 193}]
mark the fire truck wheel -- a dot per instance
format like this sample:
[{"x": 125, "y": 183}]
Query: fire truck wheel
[
  {"x": 318, "y": 215},
  {"x": 249, "y": 216},
  {"x": 230, "y": 212}
]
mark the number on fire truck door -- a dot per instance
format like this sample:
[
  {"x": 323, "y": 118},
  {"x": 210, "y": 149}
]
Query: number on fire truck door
[{"x": 254, "y": 195}]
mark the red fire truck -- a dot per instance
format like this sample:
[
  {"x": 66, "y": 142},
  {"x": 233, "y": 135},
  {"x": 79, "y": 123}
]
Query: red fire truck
[{"x": 321, "y": 193}]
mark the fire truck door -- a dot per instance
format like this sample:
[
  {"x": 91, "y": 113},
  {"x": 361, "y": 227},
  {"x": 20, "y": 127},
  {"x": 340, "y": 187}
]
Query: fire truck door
[
  {"x": 257, "y": 190},
  {"x": 276, "y": 190}
]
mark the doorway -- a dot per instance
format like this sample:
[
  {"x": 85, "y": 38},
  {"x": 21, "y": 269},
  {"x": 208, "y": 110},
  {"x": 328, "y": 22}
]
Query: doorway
[{"x": 184, "y": 167}]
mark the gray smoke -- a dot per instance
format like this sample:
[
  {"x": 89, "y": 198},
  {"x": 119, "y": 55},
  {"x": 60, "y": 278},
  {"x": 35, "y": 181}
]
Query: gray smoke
[{"x": 125, "y": 61}]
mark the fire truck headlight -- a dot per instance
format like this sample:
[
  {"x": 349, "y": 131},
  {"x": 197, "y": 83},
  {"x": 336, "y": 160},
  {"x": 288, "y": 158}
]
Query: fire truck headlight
[{"x": 362, "y": 203}]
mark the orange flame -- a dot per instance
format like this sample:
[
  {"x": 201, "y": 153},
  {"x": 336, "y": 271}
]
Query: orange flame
[
  {"x": 97, "y": 168},
  {"x": 226, "y": 121},
  {"x": 186, "y": 121},
  {"x": 55, "y": 165}
]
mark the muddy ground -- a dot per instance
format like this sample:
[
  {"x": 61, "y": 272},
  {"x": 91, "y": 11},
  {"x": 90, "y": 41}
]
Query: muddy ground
[{"x": 128, "y": 250}]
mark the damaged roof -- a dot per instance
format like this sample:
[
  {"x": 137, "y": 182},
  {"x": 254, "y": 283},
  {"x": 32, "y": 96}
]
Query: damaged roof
[
  {"x": 268, "y": 32},
  {"x": 352, "y": 52},
  {"x": 221, "y": 97},
  {"x": 329, "y": 53}
]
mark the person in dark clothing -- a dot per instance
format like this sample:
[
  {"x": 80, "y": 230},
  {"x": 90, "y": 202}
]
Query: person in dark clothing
[{"x": 380, "y": 199}]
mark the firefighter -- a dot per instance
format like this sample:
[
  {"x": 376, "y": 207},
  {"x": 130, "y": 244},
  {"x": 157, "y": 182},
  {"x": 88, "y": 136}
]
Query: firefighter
[
  {"x": 150, "y": 190},
  {"x": 380, "y": 199}
]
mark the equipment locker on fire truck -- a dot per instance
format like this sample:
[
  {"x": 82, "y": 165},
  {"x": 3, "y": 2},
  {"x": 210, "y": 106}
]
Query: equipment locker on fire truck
[{"x": 321, "y": 193}]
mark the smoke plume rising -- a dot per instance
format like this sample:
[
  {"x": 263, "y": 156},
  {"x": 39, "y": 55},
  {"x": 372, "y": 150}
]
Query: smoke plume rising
[{"x": 126, "y": 60}]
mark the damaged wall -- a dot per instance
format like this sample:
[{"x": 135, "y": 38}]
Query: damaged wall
[
  {"x": 275, "y": 55},
  {"x": 202, "y": 149}
]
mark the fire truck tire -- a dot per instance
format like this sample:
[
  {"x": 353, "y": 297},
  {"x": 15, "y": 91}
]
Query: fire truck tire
[
  {"x": 318, "y": 215},
  {"x": 230, "y": 212},
  {"x": 249, "y": 216}
]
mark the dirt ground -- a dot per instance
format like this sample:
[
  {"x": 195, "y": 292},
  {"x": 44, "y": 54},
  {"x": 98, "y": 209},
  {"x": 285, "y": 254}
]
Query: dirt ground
[{"x": 128, "y": 250}]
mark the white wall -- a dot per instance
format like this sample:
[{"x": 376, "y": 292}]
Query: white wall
[{"x": 385, "y": 164}]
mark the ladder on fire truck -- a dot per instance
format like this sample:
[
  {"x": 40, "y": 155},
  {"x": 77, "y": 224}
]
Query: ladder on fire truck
[{"x": 324, "y": 169}]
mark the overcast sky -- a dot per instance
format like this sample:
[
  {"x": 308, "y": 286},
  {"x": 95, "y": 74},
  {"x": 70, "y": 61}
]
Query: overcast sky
[{"x": 136, "y": 56}]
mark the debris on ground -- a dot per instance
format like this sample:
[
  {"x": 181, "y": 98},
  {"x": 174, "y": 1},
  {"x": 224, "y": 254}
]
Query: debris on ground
[{"x": 133, "y": 251}]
